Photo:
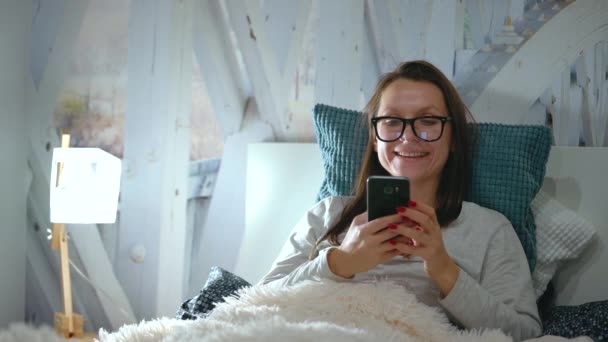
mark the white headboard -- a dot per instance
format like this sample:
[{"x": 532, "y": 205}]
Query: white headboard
[
  {"x": 283, "y": 179},
  {"x": 576, "y": 177}
]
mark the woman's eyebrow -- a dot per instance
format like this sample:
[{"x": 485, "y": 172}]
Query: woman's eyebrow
[
  {"x": 429, "y": 107},
  {"x": 419, "y": 111}
]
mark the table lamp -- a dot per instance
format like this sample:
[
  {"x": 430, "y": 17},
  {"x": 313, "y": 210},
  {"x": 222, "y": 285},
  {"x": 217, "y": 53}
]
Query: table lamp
[{"x": 85, "y": 184}]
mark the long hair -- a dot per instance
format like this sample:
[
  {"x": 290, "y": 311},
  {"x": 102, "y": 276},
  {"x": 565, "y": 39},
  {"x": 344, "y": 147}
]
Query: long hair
[{"x": 456, "y": 173}]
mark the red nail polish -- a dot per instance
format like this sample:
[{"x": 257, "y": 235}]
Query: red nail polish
[
  {"x": 393, "y": 242},
  {"x": 392, "y": 226},
  {"x": 411, "y": 203},
  {"x": 401, "y": 209}
]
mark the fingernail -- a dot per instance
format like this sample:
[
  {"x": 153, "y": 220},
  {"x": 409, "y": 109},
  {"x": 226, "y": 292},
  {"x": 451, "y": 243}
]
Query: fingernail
[
  {"x": 401, "y": 209},
  {"x": 393, "y": 242},
  {"x": 392, "y": 226},
  {"x": 411, "y": 203},
  {"x": 419, "y": 229}
]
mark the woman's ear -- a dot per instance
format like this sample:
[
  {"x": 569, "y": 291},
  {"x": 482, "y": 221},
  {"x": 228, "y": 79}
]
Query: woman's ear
[{"x": 375, "y": 145}]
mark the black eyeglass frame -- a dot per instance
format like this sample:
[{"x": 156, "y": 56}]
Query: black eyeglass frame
[{"x": 411, "y": 121}]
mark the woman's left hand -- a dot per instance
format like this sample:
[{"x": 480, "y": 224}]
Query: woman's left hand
[{"x": 423, "y": 238}]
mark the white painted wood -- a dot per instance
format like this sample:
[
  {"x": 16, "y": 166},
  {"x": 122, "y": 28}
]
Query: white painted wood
[
  {"x": 553, "y": 48},
  {"x": 517, "y": 9},
  {"x": 279, "y": 18},
  {"x": 44, "y": 275},
  {"x": 459, "y": 13},
  {"x": 408, "y": 30},
  {"x": 440, "y": 44},
  {"x": 582, "y": 189},
  {"x": 338, "y": 53},
  {"x": 90, "y": 248},
  {"x": 378, "y": 18},
  {"x": 478, "y": 21},
  {"x": 411, "y": 22},
  {"x": 591, "y": 77},
  {"x": 273, "y": 192},
  {"x": 370, "y": 68},
  {"x": 15, "y": 19},
  {"x": 487, "y": 17},
  {"x": 271, "y": 83},
  {"x": 45, "y": 25},
  {"x": 219, "y": 66},
  {"x": 223, "y": 230},
  {"x": 559, "y": 106},
  {"x": 154, "y": 185}
]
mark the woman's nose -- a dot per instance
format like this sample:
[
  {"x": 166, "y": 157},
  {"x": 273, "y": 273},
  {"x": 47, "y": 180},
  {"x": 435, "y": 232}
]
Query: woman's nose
[{"x": 408, "y": 134}]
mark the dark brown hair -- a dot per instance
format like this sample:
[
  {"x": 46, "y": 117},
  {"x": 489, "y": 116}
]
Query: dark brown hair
[{"x": 455, "y": 176}]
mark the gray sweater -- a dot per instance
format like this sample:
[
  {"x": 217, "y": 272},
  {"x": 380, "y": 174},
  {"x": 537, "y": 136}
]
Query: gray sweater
[{"x": 493, "y": 290}]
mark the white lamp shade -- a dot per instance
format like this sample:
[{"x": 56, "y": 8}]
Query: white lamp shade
[{"x": 88, "y": 187}]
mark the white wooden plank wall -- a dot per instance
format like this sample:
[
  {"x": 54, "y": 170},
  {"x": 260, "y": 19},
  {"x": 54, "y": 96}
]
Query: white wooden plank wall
[
  {"x": 272, "y": 74},
  {"x": 510, "y": 94},
  {"x": 370, "y": 67},
  {"x": 338, "y": 53},
  {"x": 13, "y": 149},
  {"x": 222, "y": 232},
  {"x": 155, "y": 164},
  {"x": 409, "y": 30},
  {"x": 591, "y": 70},
  {"x": 219, "y": 66}
]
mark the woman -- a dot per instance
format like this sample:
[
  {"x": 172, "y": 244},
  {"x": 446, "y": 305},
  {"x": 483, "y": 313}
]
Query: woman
[{"x": 452, "y": 254}]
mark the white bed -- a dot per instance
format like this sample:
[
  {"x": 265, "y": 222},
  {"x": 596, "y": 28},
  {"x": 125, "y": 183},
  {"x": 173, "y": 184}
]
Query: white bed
[{"x": 283, "y": 179}]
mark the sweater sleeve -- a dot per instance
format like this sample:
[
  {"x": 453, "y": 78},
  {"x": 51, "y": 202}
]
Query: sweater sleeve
[
  {"x": 504, "y": 297},
  {"x": 293, "y": 264}
]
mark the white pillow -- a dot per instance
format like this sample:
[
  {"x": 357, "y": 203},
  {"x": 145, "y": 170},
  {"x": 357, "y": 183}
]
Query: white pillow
[{"x": 561, "y": 234}]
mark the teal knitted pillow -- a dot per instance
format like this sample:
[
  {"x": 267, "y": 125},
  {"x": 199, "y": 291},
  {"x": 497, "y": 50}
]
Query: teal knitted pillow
[{"x": 508, "y": 165}]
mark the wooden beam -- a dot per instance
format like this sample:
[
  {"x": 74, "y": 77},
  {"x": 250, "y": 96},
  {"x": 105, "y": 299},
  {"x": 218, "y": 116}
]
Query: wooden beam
[
  {"x": 219, "y": 67},
  {"x": 272, "y": 73},
  {"x": 90, "y": 248},
  {"x": 44, "y": 273},
  {"x": 555, "y": 47},
  {"x": 591, "y": 78},
  {"x": 370, "y": 68},
  {"x": 155, "y": 165},
  {"x": 378, "y": 17},
  {"x": 224, "y": 226},
  {"x": 408, "y": 30},
  {"x": 440, "y": 43},
  {"x": 338, "y": 53},
  {"x": 46, "y": 22},
  {"x": 15, "y": 17}
]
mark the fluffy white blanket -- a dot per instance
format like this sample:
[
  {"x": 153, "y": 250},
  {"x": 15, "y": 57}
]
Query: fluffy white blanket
[{"x": 312, "y": 311}]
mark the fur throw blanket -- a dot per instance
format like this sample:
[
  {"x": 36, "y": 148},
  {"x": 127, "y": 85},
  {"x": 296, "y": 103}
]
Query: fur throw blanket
[{"x": 311, "y": 311}]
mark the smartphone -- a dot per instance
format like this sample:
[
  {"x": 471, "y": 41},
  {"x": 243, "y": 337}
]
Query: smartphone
[{"x": 384, "y": 194}]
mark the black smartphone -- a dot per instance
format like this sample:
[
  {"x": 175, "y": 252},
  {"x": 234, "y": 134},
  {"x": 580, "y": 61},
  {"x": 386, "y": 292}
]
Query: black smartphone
[{"x": 384, "y": 194}]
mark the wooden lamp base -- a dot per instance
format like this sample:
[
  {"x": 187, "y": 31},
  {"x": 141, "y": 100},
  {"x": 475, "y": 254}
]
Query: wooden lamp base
[{"x": 62, "y": 325}]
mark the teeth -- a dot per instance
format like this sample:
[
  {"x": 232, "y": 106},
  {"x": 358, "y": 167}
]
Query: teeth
[{"x": 411, "y": 154}]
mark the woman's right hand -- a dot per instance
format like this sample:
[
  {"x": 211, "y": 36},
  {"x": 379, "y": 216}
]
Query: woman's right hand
[{"x": 366, "y": 245}]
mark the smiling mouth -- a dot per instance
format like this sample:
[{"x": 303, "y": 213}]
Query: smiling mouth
[{"x": 412, "y": 154}]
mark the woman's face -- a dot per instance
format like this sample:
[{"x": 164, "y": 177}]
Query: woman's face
[{"x": 422, "y": 162}]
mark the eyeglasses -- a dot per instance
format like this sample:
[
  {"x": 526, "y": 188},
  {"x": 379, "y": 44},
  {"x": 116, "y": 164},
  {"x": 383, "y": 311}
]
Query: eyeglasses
[{"x": 427, "y": 128}]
